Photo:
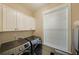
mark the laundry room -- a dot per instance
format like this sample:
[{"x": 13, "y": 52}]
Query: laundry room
[{"x": 39, "y": 28}]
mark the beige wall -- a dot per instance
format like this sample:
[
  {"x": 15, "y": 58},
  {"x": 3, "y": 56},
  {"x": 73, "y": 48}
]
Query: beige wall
[
  {"x": 10, "y": 36},
  {"x": 75, "y": 12},
  {"x": 75, "y": 17}
]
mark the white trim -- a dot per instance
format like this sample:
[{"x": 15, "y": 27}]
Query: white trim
[
  {"x": 69, "y": 29},
  {"x": 55, "y": 8}
]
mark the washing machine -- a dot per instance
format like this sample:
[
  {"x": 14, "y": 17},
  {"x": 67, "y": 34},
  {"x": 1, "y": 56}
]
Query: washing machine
[{"x": 34, "y": 46}]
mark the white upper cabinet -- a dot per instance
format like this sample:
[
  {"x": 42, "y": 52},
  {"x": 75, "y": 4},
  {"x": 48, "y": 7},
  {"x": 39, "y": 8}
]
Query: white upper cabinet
[
  {"x": 25, "y": 22},
  {"x": 9, "y": 19},
  {"x": 15, "y": 21},
  {"x": 0, "y": 18}
]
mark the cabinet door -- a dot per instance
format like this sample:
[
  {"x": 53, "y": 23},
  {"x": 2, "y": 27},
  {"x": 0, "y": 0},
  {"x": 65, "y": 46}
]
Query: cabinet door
[
  {"x": 19, "y": 21},
  {"x": 31, "y": 23},
  {"x": 24, "y": 22},
  {"x": 0, "y": 18},
  {"x": 9, "y": 19}
]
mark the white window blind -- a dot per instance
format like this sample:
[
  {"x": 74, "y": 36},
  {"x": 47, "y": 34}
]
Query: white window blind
[{"x": 56, "y": 29}]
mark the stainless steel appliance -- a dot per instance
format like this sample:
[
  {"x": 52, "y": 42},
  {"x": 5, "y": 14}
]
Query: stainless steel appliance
[{"x": 34, "y": 46}]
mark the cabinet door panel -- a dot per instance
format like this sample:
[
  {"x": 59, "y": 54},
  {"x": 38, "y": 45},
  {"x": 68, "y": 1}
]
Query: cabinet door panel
[
  {"x": 4, "y": 18},
  {"x": 24, "y": 22},
  {"x": 19, "y": 21},
  {"x": 31, "y": 23},
  {"x": 9, "y": 19},
  {"x": 0, "y": 18}
]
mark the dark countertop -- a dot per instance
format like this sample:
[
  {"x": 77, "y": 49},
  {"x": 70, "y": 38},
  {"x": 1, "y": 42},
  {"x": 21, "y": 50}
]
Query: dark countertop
[{"x": 12, "y": 44}]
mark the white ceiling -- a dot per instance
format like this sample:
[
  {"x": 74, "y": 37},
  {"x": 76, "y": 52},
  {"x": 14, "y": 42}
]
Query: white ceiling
[{"x": 35, "y": 6}]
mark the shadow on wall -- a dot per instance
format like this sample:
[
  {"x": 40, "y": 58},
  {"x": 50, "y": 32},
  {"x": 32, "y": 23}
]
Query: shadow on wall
[{"x": 10, "y": 36}]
